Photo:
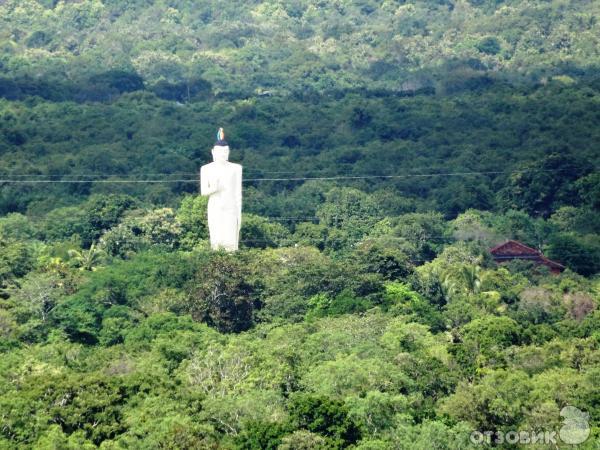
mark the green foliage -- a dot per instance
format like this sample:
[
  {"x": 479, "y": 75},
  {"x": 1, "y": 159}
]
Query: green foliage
[
  {"x": 101, "y": 213},
  {"x": 496, "y": 401},
  {"x": 588, "y": 189},
  {"x": 383, "y": 256},
  {"x": 538, "y": 192},
  {"x": 259, "y": 436},
  {"x": 349, "y": 214},
  {"x": 489, "y": 45},
  {"x": 86, "y": 259},
  {"x": 539, "y": 305},
  {"x": 63, "y": 223},
  {"x": 303, "y": 440},
  {"x": 123, "y": 283},
  {"x": 491, "y": 332},
  {"x": 16, "y": 259},
  {"x": 16, "y": 226},
  {"x": 141, "y": 229},
  {"x": 89, "y": 404},
  {"x": 36, "y": 296},
  {"x": 400, "y": 299},
  {"x": 424, "y": 232},
  {"x": 581, "y": 254},
  {"x": 387, "y": 146},
  {"x": 141, "y": 126},
  {"x": 483, "y": 339},
  {"x": 191, "y": 214},
  {"x": 221, "y": 295},
  {"x": 343, "y": 303},
  {"x": 258, "y": 232},
  {"x": 579, "y": 220},
  {"x": 322, "y": 415}
]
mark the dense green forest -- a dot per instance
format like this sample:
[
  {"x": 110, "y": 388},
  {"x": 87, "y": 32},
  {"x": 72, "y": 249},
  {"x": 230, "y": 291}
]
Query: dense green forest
[{"x": 386, "y": 146}]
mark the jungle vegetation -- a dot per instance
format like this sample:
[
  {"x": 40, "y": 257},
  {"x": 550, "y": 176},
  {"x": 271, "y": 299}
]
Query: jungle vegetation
[{"x": 387, "y": 146}]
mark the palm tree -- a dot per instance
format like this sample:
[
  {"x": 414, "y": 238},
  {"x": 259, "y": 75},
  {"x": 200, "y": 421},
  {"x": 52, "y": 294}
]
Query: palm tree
[
  {"x": 471, "y": 276},
  {"x": 448, "y": 287},
  {"x": 87, "y": 259},
  {"x": 466, "y": 278}
]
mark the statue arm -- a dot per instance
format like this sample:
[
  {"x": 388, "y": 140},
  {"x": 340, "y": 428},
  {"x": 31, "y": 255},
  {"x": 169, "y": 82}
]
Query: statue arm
[{"x": 207, "y": 186}]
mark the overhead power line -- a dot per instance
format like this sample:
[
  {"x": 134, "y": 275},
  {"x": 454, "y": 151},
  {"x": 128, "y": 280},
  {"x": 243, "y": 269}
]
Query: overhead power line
[{"x": 274, "y": 179}]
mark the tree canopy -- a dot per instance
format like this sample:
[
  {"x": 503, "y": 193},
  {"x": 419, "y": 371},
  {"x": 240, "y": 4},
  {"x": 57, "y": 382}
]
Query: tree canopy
[{"x": 387, "y": 147}]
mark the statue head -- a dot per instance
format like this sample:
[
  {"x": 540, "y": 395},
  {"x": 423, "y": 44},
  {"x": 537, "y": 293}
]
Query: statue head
[{"x": 220, "y": 151}]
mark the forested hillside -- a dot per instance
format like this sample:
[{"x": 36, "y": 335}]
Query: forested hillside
[{"x": 386, "y": 146}]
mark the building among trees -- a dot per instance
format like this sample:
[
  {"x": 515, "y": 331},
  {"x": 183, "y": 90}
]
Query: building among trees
[{"x": 511, "y": 250}]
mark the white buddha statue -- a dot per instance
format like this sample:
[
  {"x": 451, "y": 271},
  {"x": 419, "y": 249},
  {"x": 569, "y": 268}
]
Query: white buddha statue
[{"x": 221, "y": 181}]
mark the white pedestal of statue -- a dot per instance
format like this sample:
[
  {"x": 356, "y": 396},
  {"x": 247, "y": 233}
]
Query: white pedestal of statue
[{"x": 221, "y": 181}]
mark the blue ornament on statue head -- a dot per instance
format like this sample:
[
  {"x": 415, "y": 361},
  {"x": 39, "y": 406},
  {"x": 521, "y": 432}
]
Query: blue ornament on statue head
[
  {"x": 220, "y": 151},
  {"x": 221, "y": 142}
]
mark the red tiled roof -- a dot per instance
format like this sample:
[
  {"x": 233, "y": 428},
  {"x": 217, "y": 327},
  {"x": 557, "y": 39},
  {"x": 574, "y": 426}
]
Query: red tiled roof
[
  {"x": 513, "y": 248},
  {"x": 551, "y": 263},
  {"x": 516, "y": 250}
]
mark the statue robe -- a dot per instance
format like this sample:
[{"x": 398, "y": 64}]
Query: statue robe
[{"x": 222, "y": 183}]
